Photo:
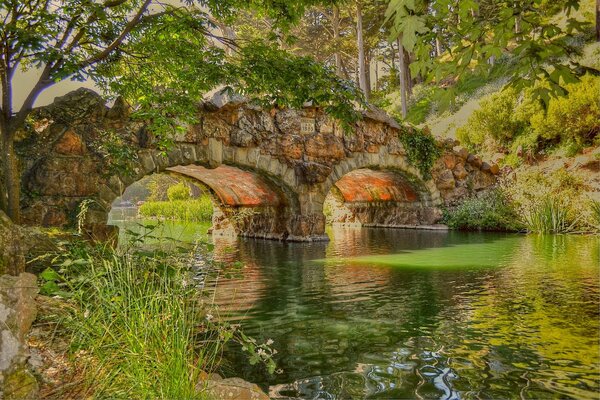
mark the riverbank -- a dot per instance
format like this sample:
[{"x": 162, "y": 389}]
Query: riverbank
[
  {"x": 549, "y": 194},
  {"x": 117, "y": 323}
]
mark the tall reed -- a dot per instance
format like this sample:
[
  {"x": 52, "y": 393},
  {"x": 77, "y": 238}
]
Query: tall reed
[
  {"x": 549, "y": 216},
  {"x": 136, "y": 330}
]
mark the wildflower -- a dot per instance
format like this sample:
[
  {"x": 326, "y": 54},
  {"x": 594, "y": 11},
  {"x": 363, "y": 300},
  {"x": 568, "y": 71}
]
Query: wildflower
[
  {"x": 209, "y": 317},
  {"x": 270, "y": 342}
]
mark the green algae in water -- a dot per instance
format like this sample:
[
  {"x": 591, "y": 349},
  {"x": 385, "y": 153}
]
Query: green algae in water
[{"x": 473, "y": 255}]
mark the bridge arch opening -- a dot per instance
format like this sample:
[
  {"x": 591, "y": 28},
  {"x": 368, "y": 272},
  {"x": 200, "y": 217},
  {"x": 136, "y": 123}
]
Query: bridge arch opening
[
  {"x": 380, "y": 197},
  {"x": 245, "y": 203}
]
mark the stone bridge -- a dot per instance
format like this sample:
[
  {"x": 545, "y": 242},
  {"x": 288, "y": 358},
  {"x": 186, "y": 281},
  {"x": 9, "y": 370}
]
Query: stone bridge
[{"x": 269, "y": 171}]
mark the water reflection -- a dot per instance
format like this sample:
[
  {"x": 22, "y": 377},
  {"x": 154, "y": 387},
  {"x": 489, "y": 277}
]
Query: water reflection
[
  {"x": 412, "y": 314},
  {"x": 396, "y": 314}
]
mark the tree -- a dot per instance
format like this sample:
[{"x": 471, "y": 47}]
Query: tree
[
  {"x": 362, "y": 73},
  {"x": 161, "y": 57},
  {"x": 478, "y": 31}
]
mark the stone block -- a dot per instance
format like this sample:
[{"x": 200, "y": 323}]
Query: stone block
[
  {"x": 17, "y": 312},
  {"x": 215, "y": 152}
]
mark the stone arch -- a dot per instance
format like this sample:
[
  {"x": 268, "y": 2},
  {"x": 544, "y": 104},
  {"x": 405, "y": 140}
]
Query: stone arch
[
  {"x": 268, "y": 220},
  {"x": 426, "y": 204}
]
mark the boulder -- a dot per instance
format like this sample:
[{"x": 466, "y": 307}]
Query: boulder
[
  {"x": 445, "y": 180},
  {"x": 231, "y": 388},
  {"x": 460, "y": 172},
  {"x": 12, "y": 254},
  {"x": 17, "y": 313},
  {"x": 461, "y": 152}
]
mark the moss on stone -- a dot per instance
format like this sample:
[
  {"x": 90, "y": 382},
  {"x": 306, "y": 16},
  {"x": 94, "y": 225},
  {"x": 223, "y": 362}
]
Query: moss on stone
[{"x": 21, "y": 385}]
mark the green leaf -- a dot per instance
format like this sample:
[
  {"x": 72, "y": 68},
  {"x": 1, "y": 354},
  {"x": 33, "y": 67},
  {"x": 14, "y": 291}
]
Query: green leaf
[
  {"x": 49, "y": 275},
  {"x": 49, "y": 288}
]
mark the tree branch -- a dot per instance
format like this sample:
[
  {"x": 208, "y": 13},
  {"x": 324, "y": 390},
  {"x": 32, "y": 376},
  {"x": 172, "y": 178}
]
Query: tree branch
[{"x": 118, "y": 41}]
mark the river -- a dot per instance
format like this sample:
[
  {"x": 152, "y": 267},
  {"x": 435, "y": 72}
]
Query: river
[{"x": 395, "y": 314}]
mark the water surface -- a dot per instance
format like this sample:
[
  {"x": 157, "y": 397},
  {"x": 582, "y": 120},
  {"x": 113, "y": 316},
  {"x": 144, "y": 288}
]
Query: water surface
[{"x": 394, "y": 314}]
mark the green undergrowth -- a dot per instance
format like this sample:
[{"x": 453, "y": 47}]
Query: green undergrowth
[
  {"x": 138, "y": 325},
  {"x": 531, "y": 201},
  {"x": 491, "y": 211},
  {"x": 515, "y": 123},
  {"x": 190, "y": 210}
]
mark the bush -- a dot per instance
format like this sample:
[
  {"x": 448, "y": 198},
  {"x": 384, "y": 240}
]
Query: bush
[
  {"x": 493, "y": 125},
  {"x": 575, "y": 117},
  {"x": 193, "y": 210},
  {"x": 512, "y": 120},
  {"x": 491, "y": 211},
  {"x": 178, "y": 192},
  {"x": 551, "y": 202}
]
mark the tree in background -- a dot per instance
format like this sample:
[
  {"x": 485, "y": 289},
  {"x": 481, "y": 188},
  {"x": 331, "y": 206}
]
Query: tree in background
[
  {"x": 161, "y": 57},
  {"x": 476, "y": 32}
]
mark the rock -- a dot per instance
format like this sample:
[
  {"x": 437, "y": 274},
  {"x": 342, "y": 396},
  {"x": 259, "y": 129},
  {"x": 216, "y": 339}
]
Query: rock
[
  {"x": 495, "y": 169},
  {"x": 461, "y": 152},
  {"x": 70, "y": 144},
  {"x": 17, "y": 312},
  {"x": 232, "y": 388},
  {"x": 474, "y": 160},
  {"x": 120, "y": 110},
  {"x": 460, "y": 172},
  {"x": 445, "y": 180},
  {"x": 325, "y": 146},
  {"x": 485, "y": 167},
  {"x": 449, "y": 160}
]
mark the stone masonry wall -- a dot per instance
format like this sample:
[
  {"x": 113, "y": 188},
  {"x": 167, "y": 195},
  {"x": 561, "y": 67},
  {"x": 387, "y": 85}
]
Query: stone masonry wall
[{"x": 79, "y": 149}]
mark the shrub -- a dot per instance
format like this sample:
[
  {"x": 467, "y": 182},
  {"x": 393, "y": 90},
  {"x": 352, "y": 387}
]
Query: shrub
[
  {"x": 490, "y": 211},
  {"x": 494, "y": 123},
  {"x": 575, "y": 117},
  {"x": 517, "y": 121},
  {"x": 421, "y": 150},
  {"x": 193, "y": 210},
  {"x": 178, "y": 192}
]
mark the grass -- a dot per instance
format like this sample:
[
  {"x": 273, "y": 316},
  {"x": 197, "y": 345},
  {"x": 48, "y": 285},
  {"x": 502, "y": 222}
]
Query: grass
[
  {"x": 136, "y": 328},
  {"x": 595, "y": 209},
  {"x": 192, "y": 210},
  {"x": 549, "y": 216}
]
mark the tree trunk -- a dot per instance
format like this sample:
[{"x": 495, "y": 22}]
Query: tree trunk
[
  {"x": 336, "y": 39},
  {"x": 598, "y": 20},
  {"x": 368, "y": 72},
  {"x": 11, "y": 177},
  {"x": 376, "y": 73},
  {"x": 406, "y": 66},
  {"x": 403, "y": 89},
  {"x": 438, "y": 46},
  {"x": 362, "y": 75}
]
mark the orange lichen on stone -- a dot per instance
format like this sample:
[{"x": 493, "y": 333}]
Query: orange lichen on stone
[
  {"x": 233, "y": 186},
  {"x": 365, "y": 185},
  {"x": 70, "y": 144}
]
